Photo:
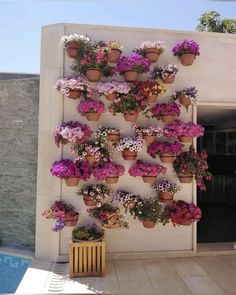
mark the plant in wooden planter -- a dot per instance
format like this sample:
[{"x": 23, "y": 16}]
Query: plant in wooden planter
[
  {"x": 166, "y": 73},
  {"x": 126, "y": 199},
  {"x": 152, "y": 50},
  {"x": 94, "y": 194},
  {"x": 149, "y": 212},
  {"x": 109, "y": 216},
  {"x": 186, "y": 50},
  {"x": 73, "y": 86},
  {"x": 131, "y": 66},
  {"x": 149, "y": 133},
  {"x": 75, "y": 44},
  {"x": 105, "y": 134},
  {"x": 129, "y": 147},
  {"x": 190, "y": 163},
  {"x": 108, "y": 171},
  {"x": 166, "y": 190},
  {"x": 148, "y": 171},
  {"x": 89, "y": 232},
  {"x": 91, "y": 109},
  {"x": 167, "y": 151},
  {"x": 112, "y": 89},
  {"x": 63, "y": 213},
  {"x": 186, "y": 96},
  {"x": 71, "y": 172},
  {"x": 114, "y": 50},
  {"x": 183, "y": 213},
  {"x": 184, "y": 131},
  {"x": 73, "y": 132},
  {"x": 166, "y": 112}
]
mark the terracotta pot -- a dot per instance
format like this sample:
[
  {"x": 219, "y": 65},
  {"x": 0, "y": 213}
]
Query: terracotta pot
[
  {"x": 167, "y": 158},
  {"x": 185, "y": 178},
  {"x": 72, "y": 181},
  {"x": 166, "y": 197},
  {"x": 148, "y": 223},
  {"x": 165, "y": 118},
  {"x": 149, "y": 138},
  {"x": 152, "y": 54},
  {"x": 74, "y": 94},
  {"x": 111, "y": 96},
  {"x": 72, "y": 221},
  {"x": 129, "y": 204},
  {"x": 152, "y": 98},
  {"x": 92, "y": 116},
  {"x": 131, "y": 76},
  {"x": 185, "y": 139},
  {"x": 185, "y": 100},
  {"x": 114, "y": 136},
  {"x": 129, "y": 155},
  {"x": 187, "y": 59},
  {"x": 114, "y": 55},
  {"x": 89, "y": 201},
  {"x": 186, "y": 222},
  {"x": 93, "y": 75},
  {"x": 149, "y": 179},
  {"x": 72, "y": 49},
  {"x": 91, "y": 159},
  {"x": 168, "y": 79},
  {"x": 131, "y": 116},
  {"x": 112, "y": 179}
]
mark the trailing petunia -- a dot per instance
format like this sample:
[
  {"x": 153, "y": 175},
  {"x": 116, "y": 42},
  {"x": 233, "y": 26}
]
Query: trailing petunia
[
  {"x": 141, "y": 168},
  {"x": 90, "y": 106},
  {"x": 112, "y": 87},
  {"x": 109, "y": 169},
  {"x": 186, "y": 46},
  {"x": 164, "y": 71},
  {"x": 165, "y": 109},
  {"x": 164, "y": 147},
  {"x": 134, "y": 62},
  {"x": 184, "y": 129},
  {"x": 65, "y": 85},
  {"x": 132, "y": 144},
  {"x": 166, "y": 186}
]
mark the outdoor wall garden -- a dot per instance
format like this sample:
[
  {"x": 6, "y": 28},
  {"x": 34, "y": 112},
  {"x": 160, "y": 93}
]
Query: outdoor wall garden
[{"x": 210, "y": 74}]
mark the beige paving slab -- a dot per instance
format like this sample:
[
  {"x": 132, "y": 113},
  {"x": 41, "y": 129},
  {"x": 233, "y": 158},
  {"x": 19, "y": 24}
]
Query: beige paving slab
[
  {"x": 227, "y": 282},
  {"x": 169, "y": 286},
  {"x": 130, "y": 270},
  {"x": 159, "y": 269},
  {"x": 188, "y": 268},
  {"x": 136, "y": 287},
  {"x": 202, "y": 285}
]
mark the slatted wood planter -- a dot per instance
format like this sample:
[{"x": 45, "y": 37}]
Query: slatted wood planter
[{"x": 87, "y": 259}]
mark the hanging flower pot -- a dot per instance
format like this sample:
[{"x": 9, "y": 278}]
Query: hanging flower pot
[
  {"x": 74, "y": 94},
  {"x": 72, "y": 49},
  {"x": 167, "y": 118},
  {"x": 72, "y": 181},
  {"x": 149, "y": 179},
  {"x": 113, "y": 136},
  {"x": 131, "y": 116},
  {"x": 151, "y": 54},
  {"x": 114, "y": 55},
  {"x": 149, "y": 138},
  {"x": 111, "y": 96},
  {"x": 167, "y": 158},
  {"x": 185, "y": 178},
  {"x": 131, "y": 76},
  {"x": 112, "y": 179},
  {"x": 166, "y": 197},
  {"x": 187, "y": 59},
  {"x": 152, "y": 98},
  {"x": 93, "y": 75},
  {"x": 129, "y": 155},
  {"x": 168, "y": 79},
  {"x": 186, "y": 222},
  {"x": 90, "y": 202},
  {"x": 91, "y": 159},
  {"x": 72, "y": 220},
  {"x": 185, "y": 100},
  {"x": 148, "y": 223},
  {"x": 185, "y": 139},
  {"x": 92, "y": 116}
]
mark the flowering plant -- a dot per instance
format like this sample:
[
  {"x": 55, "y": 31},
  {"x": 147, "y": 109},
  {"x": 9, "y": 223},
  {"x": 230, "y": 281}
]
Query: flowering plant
[
  {"x": 123, "y": 197},
  {"x": 148, "y": 209},
  {"x": 113, "y": 86},
  {"x": 147, "y": 88},
  {"x": 181, "y": 212},
  {"x": 127, "y": 103},
  {"x": 103, "y": 132},
  {"x": 132, "y": 144},
  {"x": 164, "y": 71},
  {"x": 67, "y": 168},
  {"x": 164, "y": 147},
  {"x": 109, "y": 216},
  {"x": 109, "y": 169},
  {"x": 193, "y": 163},
  {"x": 90, "y": 106},
  {"x": 186, "y": 46},
  {"x": 89, "y": 232},
  {"x": 183, "y": 129},
  {"x": 134, "y": 62},
  {"x": 72, "y": 131},
  {"x": 67, "y": 39},
  {"x": 62, "y": 212},
  {"x": 98, "y": 192},
  {"x": 114, "y": 45},
  {"x": 148, "y": 130},
  {"x": 165, "y": 109},
  {"x": 190, "y": 92},
  {"x": 92, "y": 148},
  {"x": 159, "y": 45},
  {"x": 141, "y": 168},
  {"x": 166, "y": 186},
  {"x": 72, "y": 83}
]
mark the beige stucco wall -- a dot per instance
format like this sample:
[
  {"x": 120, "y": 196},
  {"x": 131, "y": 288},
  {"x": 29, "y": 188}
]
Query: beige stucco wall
[{"x": 213, "y": 73}]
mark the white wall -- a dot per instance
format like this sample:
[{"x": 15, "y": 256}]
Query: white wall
[{"x": 213, "y": 73}]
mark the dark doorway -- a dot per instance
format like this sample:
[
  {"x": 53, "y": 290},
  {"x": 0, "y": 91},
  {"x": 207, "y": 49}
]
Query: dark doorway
[{"x": 218, "y": 202}]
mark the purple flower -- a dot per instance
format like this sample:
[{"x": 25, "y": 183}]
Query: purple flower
[
  {"x": 134, "y": 62},
  {"x": 101, "y": 172},
  {"x": 141, "y": 168},
  {"x": 164, "y": 147},
  {"x": 183, "y": 129},
  {"x": 91, "y": 106},
  {"x": 186, "y": 46},
  {"x": 164, "y": 71},
  {"x": 113, "y": 86},
  {"x": 165, "y": 108}
]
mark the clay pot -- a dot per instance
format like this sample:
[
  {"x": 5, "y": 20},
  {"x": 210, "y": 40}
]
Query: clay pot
[
  {"x": 186, "y": 139},
  {"x": 74, "y": 94},
  {"x": 167, "y": 158},
  {"x": 111, "y": 96},
  {"x": 129, "y": 204},
  {"x": 131, "y": 76},
  {"x": 93, "y": 75},
  {"x": 168, "y": 79},
  {"x": 166, "y": 118},
  {"x": 187, "y": 59},
  {"x": 148, "y": 223},
  {"x": 72, "y": 49},
  {"x": 186, "y": 222},
  {"x": 114, "y": 136},
  {"x": 166, "y": 197},
  {"x": 149, "y": 138},
  {"x": 72, "y": 221},
  {"x": 112, "y": 179},
  {"x": 185, "y": 100},
  {"x": 149, "y": 179},
  {"x": 152, "y": 98},
  {"x": 185, "y": 178},
  {"x": 131, "y": 116},
  {"x": 92, "y": 116},
  {"x": 91, "y": 159},
  {"x": 89, "y": 201},
  {"x": 151, "y": 54},
  {"x": 114, "y": 55},
  {"x": 129, "y": 155},
  {"x": 72, "y": 181}
]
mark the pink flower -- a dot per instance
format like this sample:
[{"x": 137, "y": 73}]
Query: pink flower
[{"x": 141, "y": 168}]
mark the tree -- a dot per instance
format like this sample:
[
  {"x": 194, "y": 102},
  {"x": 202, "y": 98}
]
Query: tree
[{"x": 213, "y": 22}]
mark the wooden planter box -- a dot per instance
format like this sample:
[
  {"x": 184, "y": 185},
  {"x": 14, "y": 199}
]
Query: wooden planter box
[{"x": 87, "y": 259}]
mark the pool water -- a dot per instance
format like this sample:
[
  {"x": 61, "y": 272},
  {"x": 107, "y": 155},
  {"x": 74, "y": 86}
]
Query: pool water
[{"x": 12, "y": 269}]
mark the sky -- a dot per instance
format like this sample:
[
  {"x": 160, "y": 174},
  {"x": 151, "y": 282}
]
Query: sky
[{"x": 21, "y": 21}]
